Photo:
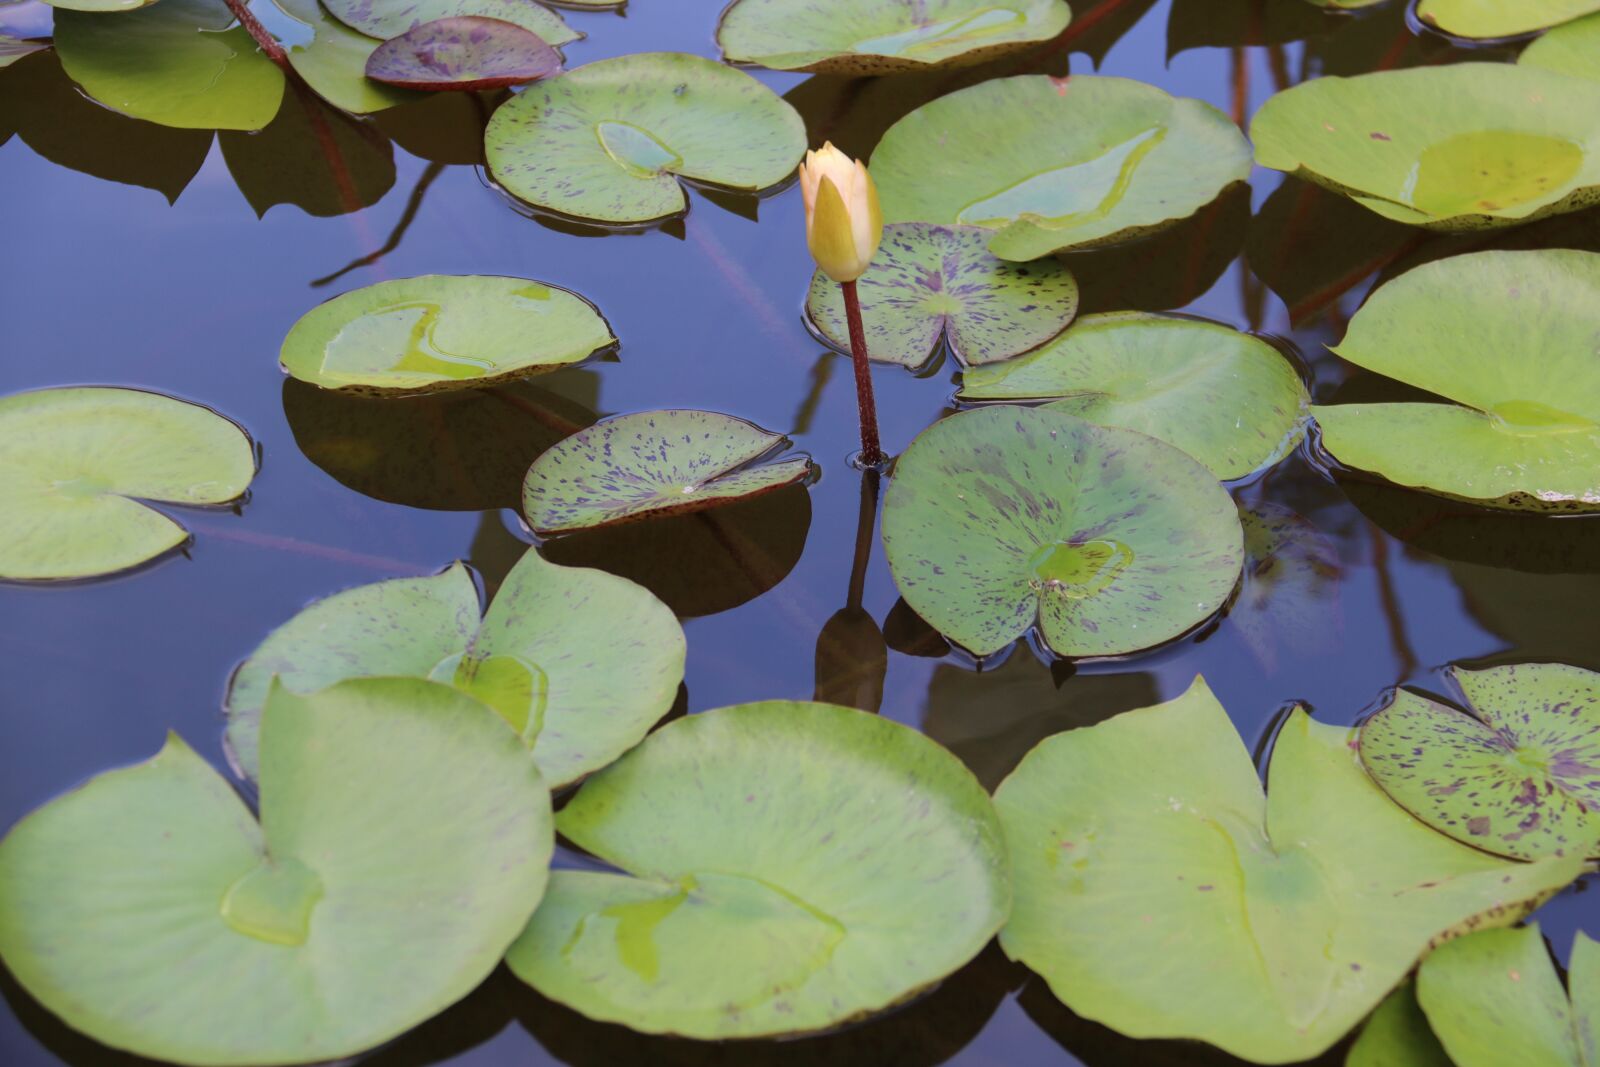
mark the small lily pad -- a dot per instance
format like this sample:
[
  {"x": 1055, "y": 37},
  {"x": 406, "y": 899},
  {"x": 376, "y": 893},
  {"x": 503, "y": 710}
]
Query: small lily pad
[
  {"x": 1228, "y": 399},
  {"x": 863, "y": 37},
  {"x": 333, "y": 61},
  {"x": 654, "y": 464},
  {"x": 928, "y": 283},
  {"x": 1524, "y": 432},
  {"x": 1109, "y": 541},
  {"x": 1162, "y": 894},
  {"x": 1517, "y": 775},
  {"x": 1571, "y": 49},
  {"x": 608, "y": 141},
  {"x": 1461, "y": 147},
  {"x": 579, "y": 662},
  {"x": 13, "y": 49},
  {"x": 75, "y": 464},
  {"x": 789, "y": 867},
  {"x": 441, "y": 331},
  {"x": 1497, "y": 18},
  {"x": 1057, "y": 163},
  {"x": 404, "y": 841},
  {"x": 387, "y": 19},
  {"x": 468, "y": 53}
]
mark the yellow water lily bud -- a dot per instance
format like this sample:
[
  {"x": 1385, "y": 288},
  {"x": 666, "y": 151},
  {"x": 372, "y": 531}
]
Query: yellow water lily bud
[{"x": 843, "y": 222}]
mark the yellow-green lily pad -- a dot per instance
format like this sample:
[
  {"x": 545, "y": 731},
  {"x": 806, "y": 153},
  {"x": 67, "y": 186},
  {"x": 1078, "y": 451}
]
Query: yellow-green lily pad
[
  {"x": 1500, "y": 18},
  {"x": 1570, "y": 49},
  {"x": 333, "y": 61},
  {"x": 388, "y": 19}
]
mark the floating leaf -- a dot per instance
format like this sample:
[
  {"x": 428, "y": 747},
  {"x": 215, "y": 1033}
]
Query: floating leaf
[
  {"x": 929, "y": 283},
  {"x": 1525, "y": 431},
  {"x": 468, "y": 53},
  {"x": 387, "y": 19},
  {"x": 441, "y": 331},
  {"x": 1108, "y": 540},
  {"x": 1496, "y": 18},
  {"x": 1517, "y": 775},
  {"x": 1461, "y": 147},
  {"x": 857, "y": 37},
  {"x": 1057, "y": 163},
  {"x": 1163, "y": 895},
  {"x": 1397, "y": 1035},
  {"x": 99, "y": 5},
  {"x": 1228, "y": 399},
  {"x": 75, "y": 464},
  {"x": 334, "y": 61},
  {"x": 789, "y": 867},
  {"x": 13, "y": 49},
  {"x": 653, "y": 464},
  {"x": 608, "y": 141},
  {"x": 403, "y": 843},
  {"x": 1571, "y": 49}
]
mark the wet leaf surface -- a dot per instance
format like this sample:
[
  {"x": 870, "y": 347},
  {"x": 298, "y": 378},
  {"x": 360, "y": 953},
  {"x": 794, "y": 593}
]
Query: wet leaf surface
[{"x": 1485, "y": 18}]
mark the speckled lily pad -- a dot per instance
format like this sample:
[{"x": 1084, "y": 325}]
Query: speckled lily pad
[
  {"x": 468, "y": 53},
  {"x": 1500, "y": 18},
  {"x": 1571, "y": 49},
  {"x": 387, "y": 19}
]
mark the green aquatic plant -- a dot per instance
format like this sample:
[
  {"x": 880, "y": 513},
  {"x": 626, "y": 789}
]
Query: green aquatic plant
[
  {"x": 1496, "y": 18},
  {"x": 1570, "y": 49},
  {"x": 388, "y": 19},
  {"x": 467, "y": 53},
  {"x": 332, "y": 58}
]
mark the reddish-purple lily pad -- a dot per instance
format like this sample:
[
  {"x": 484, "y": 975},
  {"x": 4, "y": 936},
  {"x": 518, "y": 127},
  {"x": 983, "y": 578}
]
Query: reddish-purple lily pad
[{"x": 463, "y": 53}]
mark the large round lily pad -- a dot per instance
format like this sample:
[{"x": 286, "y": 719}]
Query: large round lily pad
[
  {"x": 75, "y": 464},
  {"x": 788, "y": 867},
  {"x": 608, "y": 141},
  {"x": 468, "y": 53},
  {"x": 931, "y": 283},
  {"x": 1499, "y": 18},
  {"x": 1461, "y": 147},
  {"x": 653, "y": 464},
  {"x": 1509, "y": 336},
  {"x": 1163, "y": 895},
  {"x": 579, "y": 662},
  {"x": 1228, "y": 399},
  {"x": 1571, "y": 49},
  {"x": 404, "y": 841},
  {"x": 857, "y": 37},
  {"x": 1109, "y": 541},
  {"x": 442, "y": 331},
  {"x": 1057, "y": 163},
  {"x": 387, "y": 19}
]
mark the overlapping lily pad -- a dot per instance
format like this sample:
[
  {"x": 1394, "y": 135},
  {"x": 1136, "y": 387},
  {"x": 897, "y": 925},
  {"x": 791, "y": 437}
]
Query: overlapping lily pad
[
  {"x": 1163, "y": 895},
  {"x": 1571, "y": 49},
  {"x": 788, "y": 867},
  {"x": 863, "y": 37},
  {"x": 1462, "y": 147},
  {"x": 333, "y": 61},
  {"x": 607, "y": 142},
  {"x": 1057, "y": 163},
  {"x": 99, "y": 5},
  {"x": 1496, "y": 18},
  {"x": 468, "y": 53},
  {"x": 76, "y": 463},
  {"x": 579, "y": 662},
  {"x": 387, "y": 19},
  {"x": 1508, "y": 336},
  {"x": 654, "y": 464},
  {"x": 442, "y": 331},
  {"x": 404, "y": 841},
  {"x": 1109, "y": 541},
  {"x": 930, "y": 283},
  {"x": 1397, "y": 1035},
  {"x": 1228, "y": 399}
]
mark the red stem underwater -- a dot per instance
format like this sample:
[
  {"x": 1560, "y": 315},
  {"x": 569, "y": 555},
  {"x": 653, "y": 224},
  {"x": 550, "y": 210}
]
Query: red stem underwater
[{"x": 871, "y": 453}]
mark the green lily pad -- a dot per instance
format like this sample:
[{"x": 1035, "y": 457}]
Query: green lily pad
[
  {"x": 387, "y": 19},
  {"x": 653, "y": 464},
  {"x": 1057, "y": 163},
  {"x": 1571, "y": 49},
  {"x": 1109, "y": 541},
  {"x": 75, "y": 464},
  {"x": 1228, "y": 399},
  {"x": 608, "y": 141},
  {"x": 441, "y": 331},
  {"x": 468, "y": 53},
  {"x": 1162, "y": 894},
  {"x": 1517, "y": 775},
  {"x": 863, "y": 37},
  {"x": 334, "y": 61},
  {"x": 1397, "y": 1035},
  {"x": 99, "y": 5},
  {"x": 931, "y": 283},
  {"x": 13, "y": 49},
  {"x": 404, "y": 841},
  {"x": 1496, "y": 18},
  {"x": 789, "y": 867},
  {"x": 177, "y": 64},
  {"x": 579, "y": 662},
  {"x": 1524, "y": 432},
  {"x": 1462, "y": 147}
]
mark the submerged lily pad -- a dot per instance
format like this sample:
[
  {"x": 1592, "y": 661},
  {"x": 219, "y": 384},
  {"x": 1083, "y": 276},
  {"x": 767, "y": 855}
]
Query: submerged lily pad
[
  {"x": 387, "y": 19},
  {"x": 75, "y": 464},
  {"x": 928, "y": 283},
  {"x": 1497, "y": 18},
  {"x": 1291, "y": 598},
  {"x": 653, "y": 464},
  {"x": 1057, "y": 163},
  {"x": 1509, "y": 336},
  {"x": 404, "y": 841},
  {"x": 858, "y": 37},
  {"x": 1517, "y": 775},
  {"x": 1162, "y": 894},
  {"x": 1109, "y": 541},
  {"x": 13, "y": 49},
  {"x": 579, "y": 662},
  {"x": 609, "y": 140},
  {"x": 468, "y": 53},
  {"x": 442, "y": 331},
  {"x": 1461, "y": 147},
  {"x": 788, "y": 867},
  {"x": 1228, "y": 399},
  {"x": 1571, "y": 49}
]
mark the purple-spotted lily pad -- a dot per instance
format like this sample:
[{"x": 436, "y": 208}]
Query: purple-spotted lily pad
[
  {"x": 386, "y": 19},
  {"x": 467, "y": 54},
  {"x": 652, "y": 464},
  {"x": 1517, "y": 775}
]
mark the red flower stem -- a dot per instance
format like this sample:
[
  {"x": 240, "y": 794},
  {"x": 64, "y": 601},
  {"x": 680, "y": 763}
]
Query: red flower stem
[
  {"x": 871, "y": 453},
  {"x": 268, "y": 44}
]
